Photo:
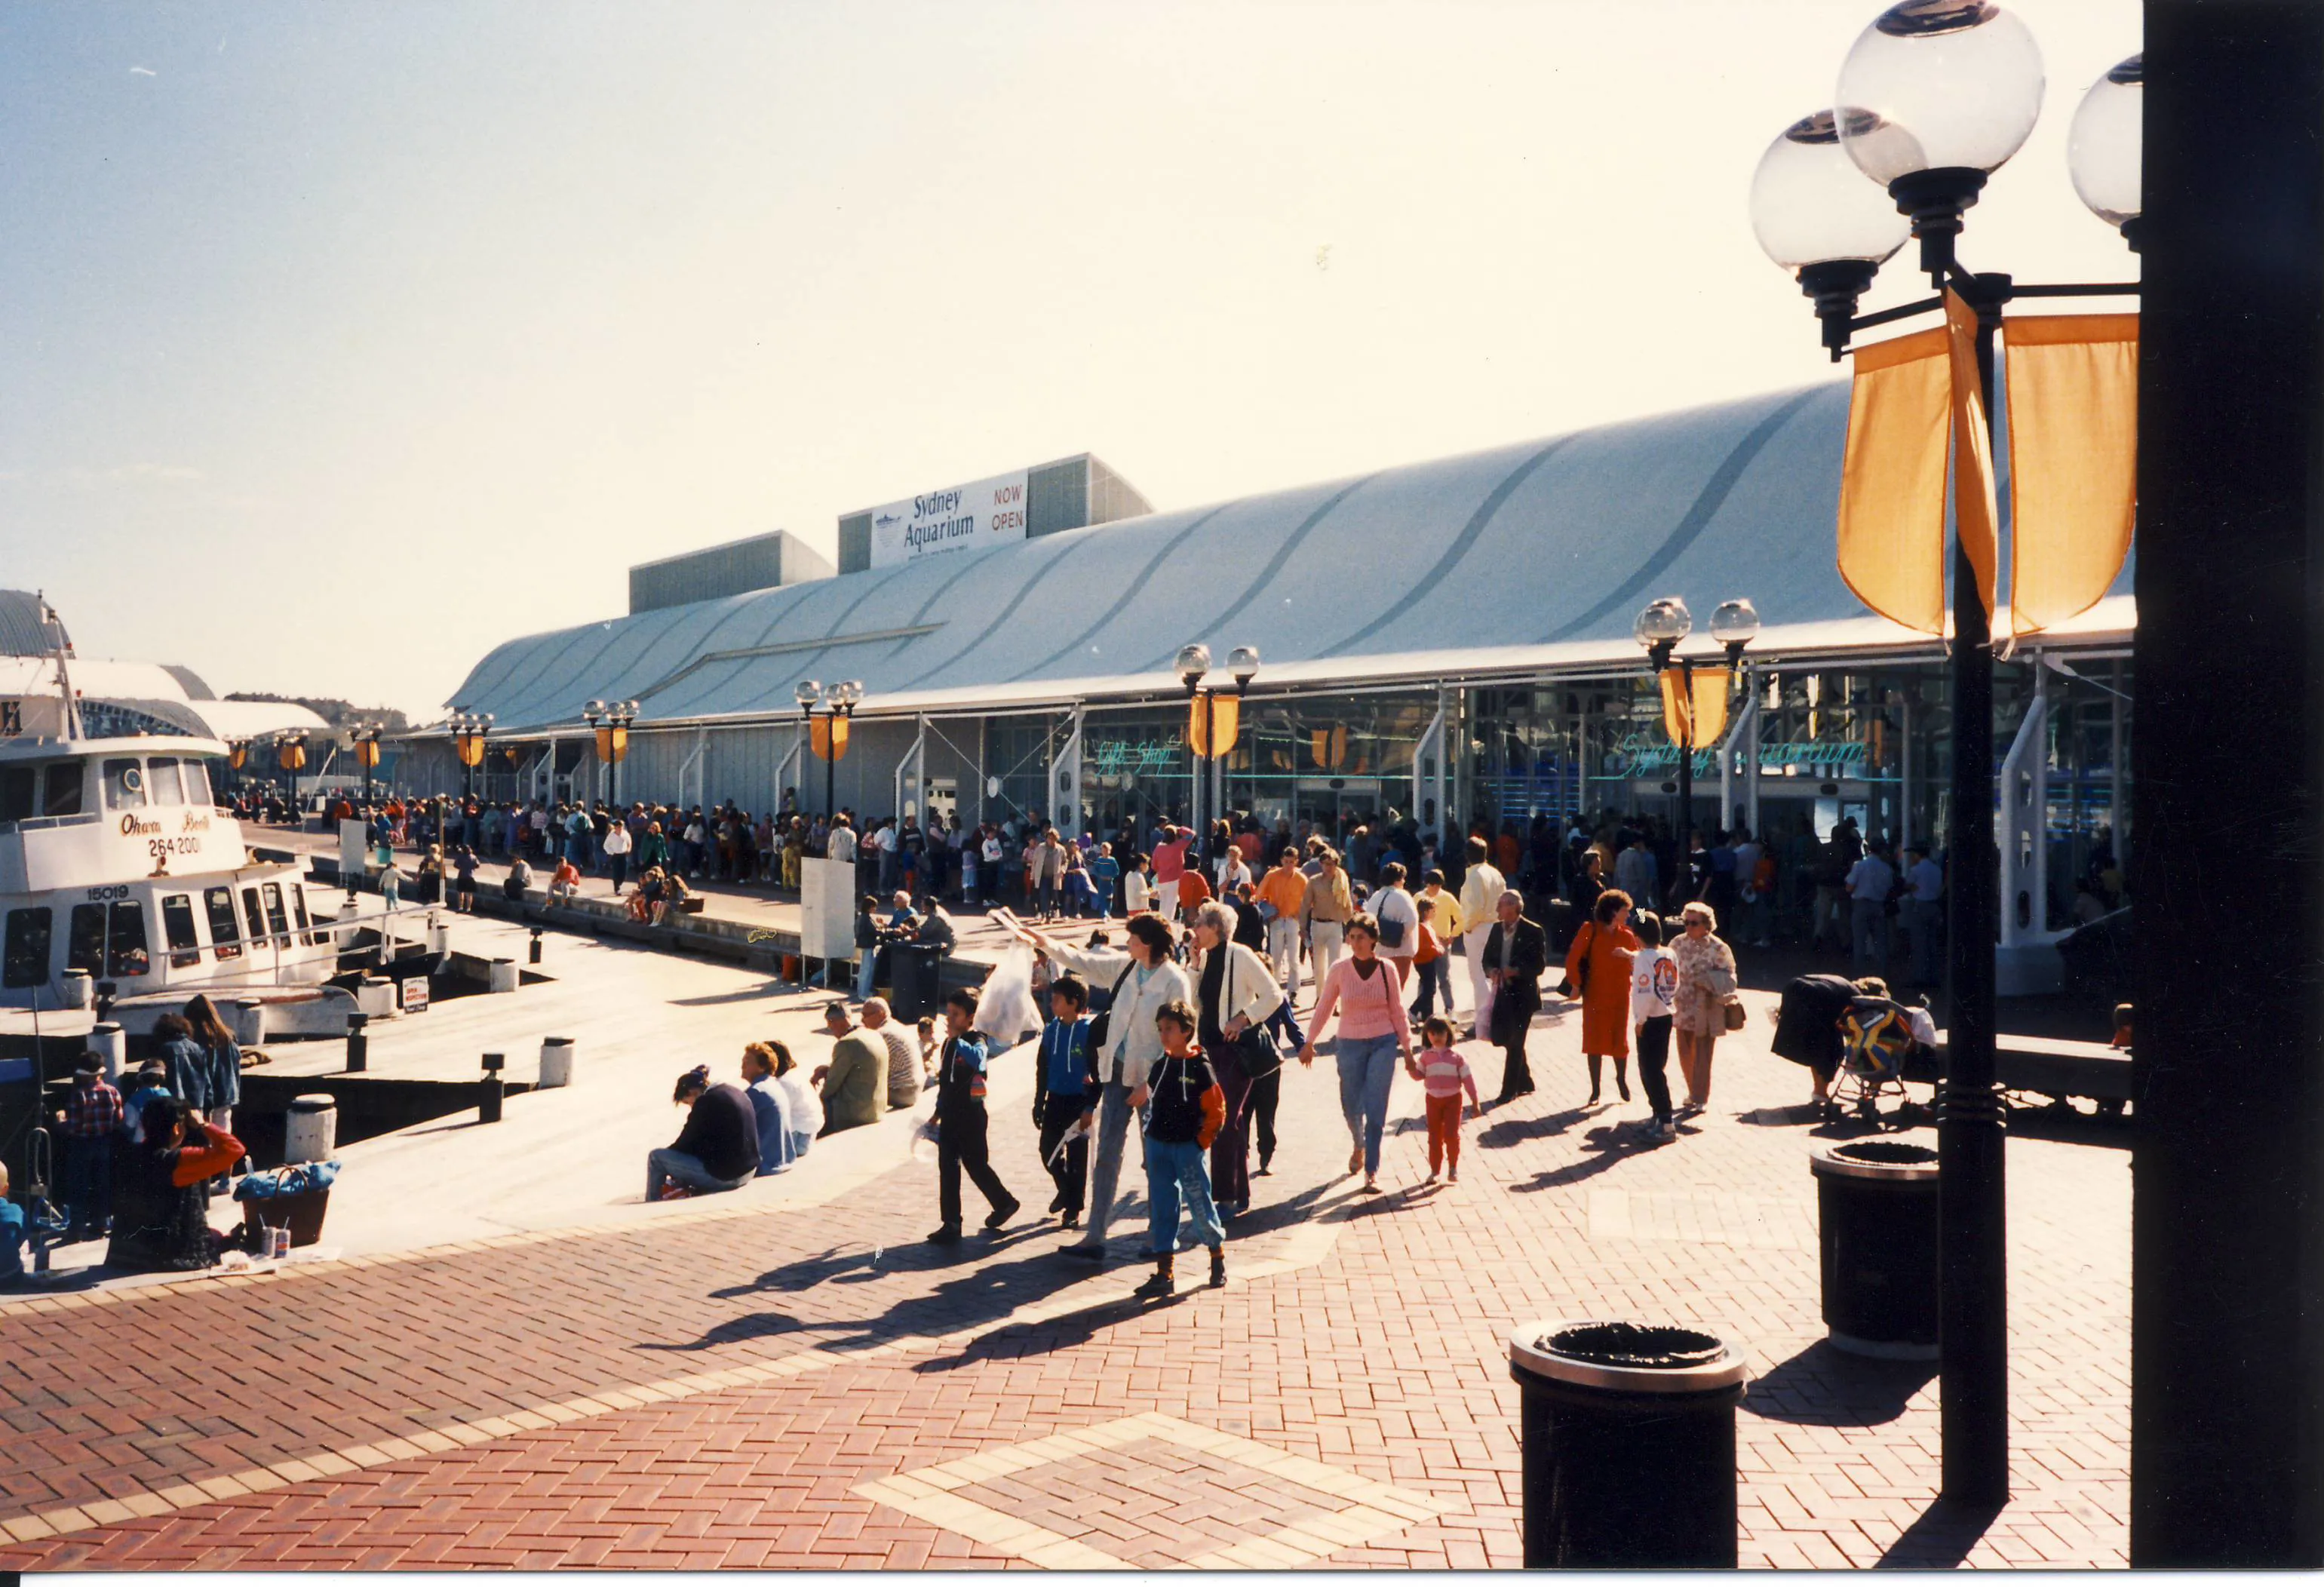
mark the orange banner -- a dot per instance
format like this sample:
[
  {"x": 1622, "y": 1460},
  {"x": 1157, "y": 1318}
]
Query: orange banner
[
  {"x": 2073, "y": 461},
  {"x": 1329, "y": 747},
  {"x": 1214, "y": 720},
  {"x": 471, "y": 749},
  {"x": 367, "y": 752},
  {"x": 1976, "y": 518},
  {"x": 830, "y": 738},
  {"x": 1699, "y": 722},
  {"x": 293, "y": 756},
  {"x": 1892, "y": 482}
]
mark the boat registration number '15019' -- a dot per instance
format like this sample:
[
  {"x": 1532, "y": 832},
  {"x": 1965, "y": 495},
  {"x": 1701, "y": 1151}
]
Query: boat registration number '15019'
[{"x": 103, "y": 895}]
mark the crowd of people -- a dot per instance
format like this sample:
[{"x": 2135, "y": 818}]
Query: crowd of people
[{"x": 138, "y": 1163}]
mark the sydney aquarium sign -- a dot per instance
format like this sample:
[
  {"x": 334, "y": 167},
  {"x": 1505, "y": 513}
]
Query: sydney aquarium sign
[{"x": 958, "y": 517}]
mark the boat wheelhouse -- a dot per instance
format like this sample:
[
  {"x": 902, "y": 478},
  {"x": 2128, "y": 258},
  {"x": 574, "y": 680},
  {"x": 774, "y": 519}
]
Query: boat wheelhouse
[{"x": 116, "y": 860}]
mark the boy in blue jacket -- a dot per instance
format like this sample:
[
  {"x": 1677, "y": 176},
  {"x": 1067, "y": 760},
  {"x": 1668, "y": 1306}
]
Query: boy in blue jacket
[{"x": 1065, "y": 1095}]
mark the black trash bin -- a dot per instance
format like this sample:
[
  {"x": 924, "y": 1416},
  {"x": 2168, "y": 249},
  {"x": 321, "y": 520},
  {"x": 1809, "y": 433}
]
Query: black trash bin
[
  {"x": 912, "y": 976},
  {"x": 1877, "y": 1207},
  {"x": 1629, "y": 1433}
]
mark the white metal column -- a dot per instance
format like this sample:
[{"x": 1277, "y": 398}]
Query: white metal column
[
  {"x": 1427, "y": 759},
  {"x": 2028, "y": 962},
  {"x": 791, "y": 767},
  {"x": 1065, "y": 777},
  {"x": 911, "y": 773},
  {"x": 691, "y": 767},
  {"x": 1740, "y": 739}
]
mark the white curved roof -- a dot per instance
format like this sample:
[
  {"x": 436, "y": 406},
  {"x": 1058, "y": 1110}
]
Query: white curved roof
[{"x": 1545, "y": 549}]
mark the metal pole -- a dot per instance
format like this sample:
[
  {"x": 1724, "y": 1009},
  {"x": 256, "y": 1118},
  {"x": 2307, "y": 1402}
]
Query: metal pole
[
  {"x": 1684, "y": 878},
  {"x": 1973, "y": 1325},
  {"x": 2227, "y": 1317}
]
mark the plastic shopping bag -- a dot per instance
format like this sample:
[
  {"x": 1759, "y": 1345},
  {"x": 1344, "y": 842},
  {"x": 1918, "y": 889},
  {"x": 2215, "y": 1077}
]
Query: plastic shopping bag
[{"x": 1004, "y": 1009}]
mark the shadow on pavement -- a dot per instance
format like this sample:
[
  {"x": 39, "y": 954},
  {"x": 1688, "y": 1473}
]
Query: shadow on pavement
[
  {"x": 1506, "y": 1131},
  {"x": 1823, "y": 1386},
  {"x": 1940, "y": 1539},
  {"x": 1609, "y": 1145}
]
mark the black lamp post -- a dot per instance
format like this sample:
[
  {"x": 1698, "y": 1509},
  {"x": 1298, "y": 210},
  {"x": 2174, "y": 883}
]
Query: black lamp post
[
  {"x": 469, "y": 732},
  {"x": 366, "y": 741},
  {"x": 839, "y": 701},
  {"x": 1194, "y": 666},
  {"x": 1934, "y": 96},
  {"x": 1659, "y": 629},
  {"x": 610, "y": 721}
]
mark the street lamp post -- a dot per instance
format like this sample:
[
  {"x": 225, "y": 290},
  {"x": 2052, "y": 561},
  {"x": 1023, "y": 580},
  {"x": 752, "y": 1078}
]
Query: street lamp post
[
  {"x": 1934, "y": 96},
  {"x": 610, "y": 721},
  {"x": 366, "y": 737},
  {"x": 1202, "y": 743},
  {"x": 1659, "y": 629},
  {"x": 469, "y": 732},
  {"x": 839, "y": 701}
]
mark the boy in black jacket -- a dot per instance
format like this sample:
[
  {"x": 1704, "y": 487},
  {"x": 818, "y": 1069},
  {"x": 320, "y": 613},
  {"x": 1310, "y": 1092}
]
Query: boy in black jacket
[
  {"x": 1189, "y": 1108},
  {"x": 960, "y": 1121}
]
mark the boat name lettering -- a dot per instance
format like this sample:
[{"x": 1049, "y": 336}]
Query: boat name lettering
[
  {"x": 99, "y": 895},
  {"x": 196, "y": 823},
  {"x": 133, "y": 827}
]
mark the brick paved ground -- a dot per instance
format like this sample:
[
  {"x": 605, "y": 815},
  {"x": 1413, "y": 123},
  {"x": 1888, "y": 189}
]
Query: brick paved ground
[{"x": 719, "y": 1389}]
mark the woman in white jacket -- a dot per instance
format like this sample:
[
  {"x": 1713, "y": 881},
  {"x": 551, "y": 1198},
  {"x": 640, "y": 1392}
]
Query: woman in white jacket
[
  {"x": 1235, "y": 994},
  {"x": 1141, "y": 981}
]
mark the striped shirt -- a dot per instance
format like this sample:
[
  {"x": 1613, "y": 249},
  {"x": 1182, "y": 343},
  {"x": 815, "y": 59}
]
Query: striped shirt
[{"x": 1443, "y": 1072}]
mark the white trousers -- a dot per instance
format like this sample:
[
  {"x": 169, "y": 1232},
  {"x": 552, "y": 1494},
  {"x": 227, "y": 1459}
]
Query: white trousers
[{"x": 1480, "y": 988}]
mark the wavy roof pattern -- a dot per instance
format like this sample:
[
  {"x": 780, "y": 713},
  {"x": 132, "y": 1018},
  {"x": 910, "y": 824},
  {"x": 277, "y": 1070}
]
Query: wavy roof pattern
[{"x": 1540, "y": 543}]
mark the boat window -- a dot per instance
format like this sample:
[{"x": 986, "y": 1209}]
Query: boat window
[
  {"x": 63, "y": 788},
  {"x": 25, "y": 960},
  {"x": 276, "y": 920},
  {"x": 125, "y": 954},
  {"x": 85, "y": 942},
  {"x": 226, "y": 936},
  {"x": 256, "y": 916},
  {"x": 125, "y": 785},
  {"x": 162, "y": 780},
  {"x": 298, "y": 912},
  {"x": 19, "y": 785},
  {"x": 198, "y": 784},
  {"x": 178, "y": 926}
]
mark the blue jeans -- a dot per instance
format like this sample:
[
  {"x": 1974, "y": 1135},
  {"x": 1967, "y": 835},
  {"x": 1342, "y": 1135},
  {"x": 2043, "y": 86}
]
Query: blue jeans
[
  {"x": 1366, "y": 1071},
  {"x": 1435, "y": 978},
  {"x": 871, "y": 957},
  {"x": 801, "y": 1141},
  {"x": 687, "y": 1169},
  {"x": 1173, "y": 1168}
]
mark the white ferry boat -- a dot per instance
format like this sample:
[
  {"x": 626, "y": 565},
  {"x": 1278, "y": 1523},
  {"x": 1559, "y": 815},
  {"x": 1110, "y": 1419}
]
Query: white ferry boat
[{"x": 116, "y": 860}]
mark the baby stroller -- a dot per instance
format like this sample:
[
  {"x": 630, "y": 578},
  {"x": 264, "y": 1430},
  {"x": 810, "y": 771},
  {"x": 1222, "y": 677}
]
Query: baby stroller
[{"x": 1877, "y": 1042}]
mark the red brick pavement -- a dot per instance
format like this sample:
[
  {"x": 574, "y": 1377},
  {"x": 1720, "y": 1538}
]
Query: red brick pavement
[{"x": 1382, "y": 1356}]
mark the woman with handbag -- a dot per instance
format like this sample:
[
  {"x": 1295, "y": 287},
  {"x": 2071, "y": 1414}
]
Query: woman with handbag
[
  {"x": 1374, "y": 1037},
  {"x": 1235, "y": 995},
  {"x": 1597, "y": 964},
  {"x": 1707, "y": 1006}
]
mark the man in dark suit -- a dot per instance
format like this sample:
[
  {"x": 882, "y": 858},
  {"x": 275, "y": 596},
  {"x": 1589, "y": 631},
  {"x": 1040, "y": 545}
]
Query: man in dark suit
[{"x": 1516, "y": 952}]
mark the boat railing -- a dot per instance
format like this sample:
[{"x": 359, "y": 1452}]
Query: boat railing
[{"x": 43, "y": 823}]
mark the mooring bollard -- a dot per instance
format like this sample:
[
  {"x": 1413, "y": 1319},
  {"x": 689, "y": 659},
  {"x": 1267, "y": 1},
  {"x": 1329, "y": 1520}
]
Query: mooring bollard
[
  {"x": 1614, "y": 1411},
  {"x": 490, "y": 1091},
  {"x": 110, "y": 1042},
  {"x": 358, "y": 1043},
  {"x": 556, "y": 1062},
  {"x": 310, "y": 1130},
  {"x": 536, "y": 944}
]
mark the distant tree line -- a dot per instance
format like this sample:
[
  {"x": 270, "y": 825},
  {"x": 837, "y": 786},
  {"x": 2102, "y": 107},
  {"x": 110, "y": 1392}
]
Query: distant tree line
[{"x": 337, "y": 712}]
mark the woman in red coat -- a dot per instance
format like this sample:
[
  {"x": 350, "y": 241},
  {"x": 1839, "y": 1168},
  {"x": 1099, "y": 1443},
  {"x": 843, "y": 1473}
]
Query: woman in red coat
[{"x": 1599, "y": 966}]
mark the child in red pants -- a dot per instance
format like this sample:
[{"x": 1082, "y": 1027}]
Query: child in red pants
[{"x": 1441, "y": 1069}]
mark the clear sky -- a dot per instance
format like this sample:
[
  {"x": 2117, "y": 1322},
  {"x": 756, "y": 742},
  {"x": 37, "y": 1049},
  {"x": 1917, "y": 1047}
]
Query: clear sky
[{"x": 340, "y": 342}]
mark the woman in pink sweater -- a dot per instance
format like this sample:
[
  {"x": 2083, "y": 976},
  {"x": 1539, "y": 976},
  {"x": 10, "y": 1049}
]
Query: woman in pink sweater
[{"x": 1369, "y": 996}]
